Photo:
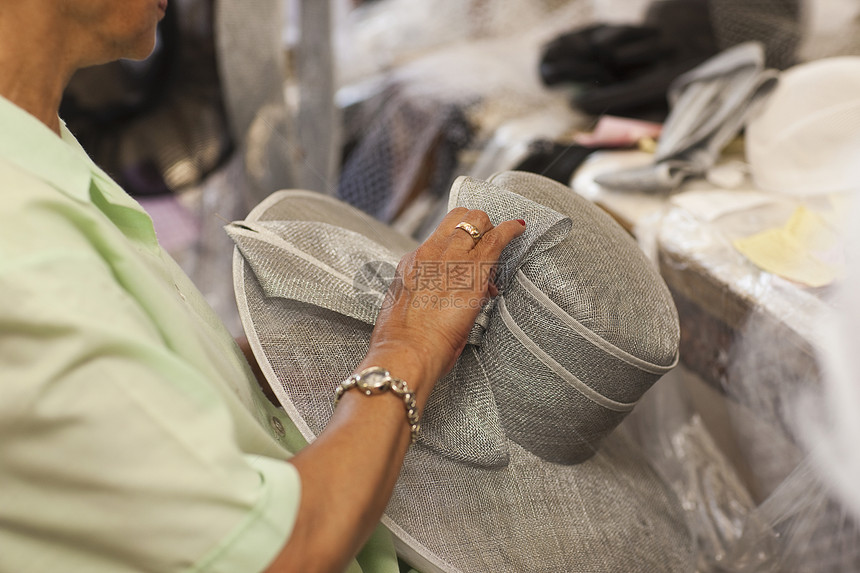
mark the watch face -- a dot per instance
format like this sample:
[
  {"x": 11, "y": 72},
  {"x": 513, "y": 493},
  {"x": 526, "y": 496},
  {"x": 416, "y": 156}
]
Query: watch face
[{"x": 374, "y": 380}]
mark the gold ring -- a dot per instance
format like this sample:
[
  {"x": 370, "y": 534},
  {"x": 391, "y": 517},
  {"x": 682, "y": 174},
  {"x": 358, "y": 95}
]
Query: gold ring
[{"x": 471, "y": 229}]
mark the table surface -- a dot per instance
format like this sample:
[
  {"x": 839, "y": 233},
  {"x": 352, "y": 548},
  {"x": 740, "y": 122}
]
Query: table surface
[{"x": 746, "y": 332}]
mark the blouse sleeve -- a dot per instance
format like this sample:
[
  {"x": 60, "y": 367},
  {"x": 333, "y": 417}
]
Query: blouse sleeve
[{"x": 115, "y": 454}]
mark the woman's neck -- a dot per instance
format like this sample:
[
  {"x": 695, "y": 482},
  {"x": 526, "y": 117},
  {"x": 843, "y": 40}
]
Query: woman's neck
[{"x": 34, "y": 66}]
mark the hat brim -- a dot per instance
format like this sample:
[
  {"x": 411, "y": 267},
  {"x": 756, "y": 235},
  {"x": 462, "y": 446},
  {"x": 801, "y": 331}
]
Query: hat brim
[{"x": 610, "y": 513}]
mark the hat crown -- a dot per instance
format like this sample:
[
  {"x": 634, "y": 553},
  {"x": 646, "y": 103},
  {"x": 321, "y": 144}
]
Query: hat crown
[
  {"x": 584, "y": 325},
  {"x": 598, "y": 275}
]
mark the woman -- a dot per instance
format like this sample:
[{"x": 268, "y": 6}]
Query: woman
[{"x": 126, "y": 441}]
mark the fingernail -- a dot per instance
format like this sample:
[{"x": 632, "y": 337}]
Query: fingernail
[{"x": 523, "y": 223}]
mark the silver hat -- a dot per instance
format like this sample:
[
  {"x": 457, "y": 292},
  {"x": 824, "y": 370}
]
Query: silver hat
[{"x": 517, "y": 468}]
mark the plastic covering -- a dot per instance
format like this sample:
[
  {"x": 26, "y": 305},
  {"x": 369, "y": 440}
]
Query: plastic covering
[
  {"x": 767, "y": 363},
  {"x": 730, "y": 428},
  {"x": 830, "y": 422}
]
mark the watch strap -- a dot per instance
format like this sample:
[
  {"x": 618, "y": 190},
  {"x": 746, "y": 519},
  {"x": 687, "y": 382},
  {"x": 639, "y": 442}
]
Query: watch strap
[{"x": 390, "y": 383}]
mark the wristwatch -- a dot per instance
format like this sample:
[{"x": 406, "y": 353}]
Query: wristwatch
[{"x": 376, "y": 380}]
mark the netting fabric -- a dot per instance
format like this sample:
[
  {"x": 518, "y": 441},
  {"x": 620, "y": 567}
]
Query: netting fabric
[
  {"x": 422, "y": 85},
  {"x": 775, "y": 23}
]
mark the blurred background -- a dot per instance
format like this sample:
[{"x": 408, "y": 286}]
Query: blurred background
[{"x": 383, "y": 103}]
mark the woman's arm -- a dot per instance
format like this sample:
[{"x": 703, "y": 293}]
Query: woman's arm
[{"x": 348, "y": 473}]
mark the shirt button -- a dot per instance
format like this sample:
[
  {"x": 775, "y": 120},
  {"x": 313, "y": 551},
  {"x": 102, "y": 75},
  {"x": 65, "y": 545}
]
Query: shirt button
[{"x": 278, "y": 426}]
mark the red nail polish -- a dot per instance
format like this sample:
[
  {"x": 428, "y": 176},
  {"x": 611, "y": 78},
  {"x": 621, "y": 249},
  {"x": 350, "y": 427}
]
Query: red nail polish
[{"x": 523, "y": 223}]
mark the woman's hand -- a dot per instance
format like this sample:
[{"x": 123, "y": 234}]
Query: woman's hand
[
  {"x": 439, "y": 290},
  {"x": 349, "y": 471}
]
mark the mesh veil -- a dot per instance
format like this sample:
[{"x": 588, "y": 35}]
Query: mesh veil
[{"x": 775, "y": 23}]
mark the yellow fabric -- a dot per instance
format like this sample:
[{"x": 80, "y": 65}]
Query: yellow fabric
[
  {"x": 130, "y": 436},
  {"x": 796, "y": 250}
]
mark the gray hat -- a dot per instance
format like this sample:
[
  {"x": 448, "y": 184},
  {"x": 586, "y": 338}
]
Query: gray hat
[{"x": 504, "y": 476}]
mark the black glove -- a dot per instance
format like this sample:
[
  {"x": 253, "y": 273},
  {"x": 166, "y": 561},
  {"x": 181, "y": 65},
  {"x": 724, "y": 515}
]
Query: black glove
[
  {"x": 557, "y": 161},
  {"x": 627, "y": 69},
  {"x": 601, "y": 54}
]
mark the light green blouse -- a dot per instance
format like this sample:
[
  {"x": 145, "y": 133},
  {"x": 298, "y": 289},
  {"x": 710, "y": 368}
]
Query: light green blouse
[{"x": 131, "y": 436}]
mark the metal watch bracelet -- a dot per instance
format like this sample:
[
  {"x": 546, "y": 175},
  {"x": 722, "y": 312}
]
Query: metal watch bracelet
[{"x": 376, "y": 380}]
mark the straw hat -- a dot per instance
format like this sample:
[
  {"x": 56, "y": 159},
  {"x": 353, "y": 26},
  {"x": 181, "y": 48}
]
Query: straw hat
[{"x": 517, "y": 468}]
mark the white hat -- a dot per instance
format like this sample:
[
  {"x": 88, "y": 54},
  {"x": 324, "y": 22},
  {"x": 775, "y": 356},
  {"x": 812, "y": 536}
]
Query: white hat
[{"x": 806, "y": 140}]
